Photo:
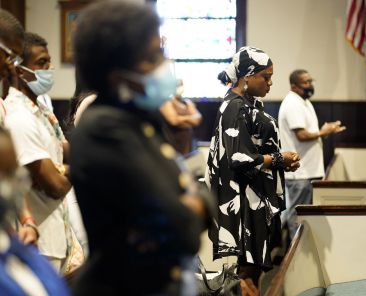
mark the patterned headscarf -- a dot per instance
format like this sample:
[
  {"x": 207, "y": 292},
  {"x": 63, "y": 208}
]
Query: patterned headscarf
[{"x": 246, "y": 62}]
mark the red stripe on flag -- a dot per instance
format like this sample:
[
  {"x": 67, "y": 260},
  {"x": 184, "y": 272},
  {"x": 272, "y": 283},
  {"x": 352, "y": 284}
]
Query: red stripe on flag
[
  {"x": 350, "y": 14},
  {"x": 362, "y": 38},
  {"x": 359, "y": 21},
  {"x": 356, "y": 24}
]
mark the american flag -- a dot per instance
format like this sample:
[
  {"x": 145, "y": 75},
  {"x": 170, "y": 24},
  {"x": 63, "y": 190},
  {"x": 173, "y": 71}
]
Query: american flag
[{"x": 356, "y": 25}]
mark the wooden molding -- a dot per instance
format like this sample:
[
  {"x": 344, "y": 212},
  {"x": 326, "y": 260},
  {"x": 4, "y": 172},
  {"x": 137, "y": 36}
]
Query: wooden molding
[
  {"x": 351, "y": 145},
  {"x": 241, "y": 23},
  {"x": 69, "y": 11},
  {"x": 276, "y": 286},
  {"x": 339, "y": 184},
  {"x": 339, "y": 210}
]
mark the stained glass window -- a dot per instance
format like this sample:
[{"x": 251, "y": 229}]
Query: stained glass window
[
  {"x": 200, "y": 37},
  {"x": 196, "y": 8}
]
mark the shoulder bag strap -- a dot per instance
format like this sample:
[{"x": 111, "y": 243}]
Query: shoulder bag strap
[{"x": 205, "y": 280}]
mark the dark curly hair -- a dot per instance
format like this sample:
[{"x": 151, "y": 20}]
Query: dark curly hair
[
  {"x": 31, "y": 39},
  {"x": 112, "y": 35}
]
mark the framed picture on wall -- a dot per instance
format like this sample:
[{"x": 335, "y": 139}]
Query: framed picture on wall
[{"x": 70, "y": 10}]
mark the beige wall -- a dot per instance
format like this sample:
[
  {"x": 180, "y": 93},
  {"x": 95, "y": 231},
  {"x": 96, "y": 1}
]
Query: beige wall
[
  {"x": 43, "y": 17},
  {"x": 295, "y": 33},
  {"x": 308, "y": 34}
]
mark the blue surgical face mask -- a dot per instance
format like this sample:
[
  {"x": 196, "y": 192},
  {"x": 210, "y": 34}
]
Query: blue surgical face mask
[
  {"x": 159, "y": 86},
  {"x": 43, "y": 83}
]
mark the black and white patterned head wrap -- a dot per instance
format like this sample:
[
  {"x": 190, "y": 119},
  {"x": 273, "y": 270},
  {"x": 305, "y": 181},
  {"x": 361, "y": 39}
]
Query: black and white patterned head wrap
[{"x": 246, "y": 62}]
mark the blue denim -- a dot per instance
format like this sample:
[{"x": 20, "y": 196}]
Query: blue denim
[{"x": 299, "y": 192}]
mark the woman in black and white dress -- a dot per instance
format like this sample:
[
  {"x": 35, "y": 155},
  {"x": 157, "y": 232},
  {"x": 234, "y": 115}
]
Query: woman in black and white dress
[{"x": 246, "y": 168}]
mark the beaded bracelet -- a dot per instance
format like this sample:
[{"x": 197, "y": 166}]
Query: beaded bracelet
[{"x": 278, "y": 161}]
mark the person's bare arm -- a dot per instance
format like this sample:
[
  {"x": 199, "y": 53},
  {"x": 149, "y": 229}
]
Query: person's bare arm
[
  {"x": 66, "y": 149},
  {"x": 328, "y": 128},
  {"x": 195, "y": 115},
  {"x": 28, "y": 233},
  {"x": 291, "y": 161},
  {"x": 48, "y": 178},
  {"x": 171, "y": 115}
]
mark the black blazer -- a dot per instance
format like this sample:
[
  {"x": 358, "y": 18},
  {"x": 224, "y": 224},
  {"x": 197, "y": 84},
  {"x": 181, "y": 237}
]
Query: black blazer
[{"x": 128, "y": 182}]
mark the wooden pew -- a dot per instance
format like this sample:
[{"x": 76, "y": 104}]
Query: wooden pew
[
  {"x": 348, "y": 164},
  {"x": 345, "y": 179},
  {"x": 328, "y": 249},
  {"x": 339, "y": 193}
]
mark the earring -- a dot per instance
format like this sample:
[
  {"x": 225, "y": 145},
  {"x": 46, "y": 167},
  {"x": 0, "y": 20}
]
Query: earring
[
  {"x": 245, "y": 86},
  {"x": 124, "y": 92}
]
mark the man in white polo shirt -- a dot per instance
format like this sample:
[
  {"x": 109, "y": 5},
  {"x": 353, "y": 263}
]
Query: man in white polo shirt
[{"x": 299, "y": 130}]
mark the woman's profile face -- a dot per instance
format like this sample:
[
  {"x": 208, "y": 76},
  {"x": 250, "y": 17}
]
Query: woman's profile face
[{"x": 259, "y": 84}]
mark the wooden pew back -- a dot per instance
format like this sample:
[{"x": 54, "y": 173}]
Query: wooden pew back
[
  {"x": 301, "y": 259},
  {"x": 348, "y": 164},
  {"x": 339, "y": 234},
  {"x": 328, "y": 248},
  {"x": 339, "y": 193}
]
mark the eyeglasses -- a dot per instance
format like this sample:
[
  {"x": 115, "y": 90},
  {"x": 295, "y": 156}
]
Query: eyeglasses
[{"x": 12, "y": 57}]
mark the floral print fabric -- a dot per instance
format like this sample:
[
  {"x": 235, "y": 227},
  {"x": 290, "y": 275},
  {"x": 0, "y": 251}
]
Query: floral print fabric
[{"x": 250, "y": 198}]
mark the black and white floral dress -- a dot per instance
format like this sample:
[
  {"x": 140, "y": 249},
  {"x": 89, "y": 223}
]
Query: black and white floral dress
[{"x": 250, "y": 198}]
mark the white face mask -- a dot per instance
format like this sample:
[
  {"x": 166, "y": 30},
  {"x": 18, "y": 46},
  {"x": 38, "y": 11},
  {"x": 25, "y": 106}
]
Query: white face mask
[{"x": 43, "y": 83}]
